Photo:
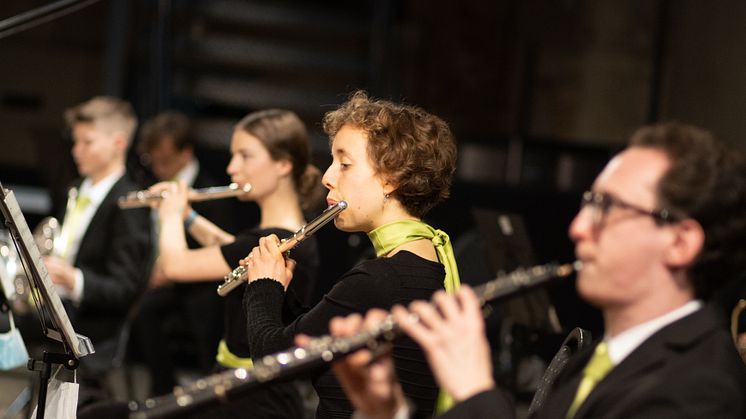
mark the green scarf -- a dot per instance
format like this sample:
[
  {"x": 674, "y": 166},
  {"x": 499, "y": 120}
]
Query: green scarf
[{"x": 388, "y": 237}]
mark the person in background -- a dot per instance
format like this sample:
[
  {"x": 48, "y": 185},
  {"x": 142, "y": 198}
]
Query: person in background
[
  {"x": 271, "y": 152},
  {"x": 184, "y": 311},
  {"x": 392, "y": 163},
  {"x": 662, "y": 228},
  {"x": 101, "y": 262}
]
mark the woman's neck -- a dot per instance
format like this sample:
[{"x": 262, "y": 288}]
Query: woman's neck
[
  {"x": 393, "y": 212},
  {"x": 281, "y": 209}
]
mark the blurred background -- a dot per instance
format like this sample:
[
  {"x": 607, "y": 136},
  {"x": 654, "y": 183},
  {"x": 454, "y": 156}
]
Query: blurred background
[{"x": 540, "y": 94}]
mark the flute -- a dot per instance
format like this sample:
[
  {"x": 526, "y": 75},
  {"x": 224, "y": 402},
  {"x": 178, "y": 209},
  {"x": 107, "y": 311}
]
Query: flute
[
  {"x": 139, "y": 199},
  {"x": 322, "y": 350},
  {"x": 239, "y": 275}
]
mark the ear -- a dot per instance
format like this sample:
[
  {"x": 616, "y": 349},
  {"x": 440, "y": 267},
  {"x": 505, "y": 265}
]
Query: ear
[
  {"x": 284, "y": 167},
  {"x": 120, "y": 141},
  {"x": 688, "y": 241},
  {"x": 186, "y": 153},
  {"x": 388, "y": 187}
]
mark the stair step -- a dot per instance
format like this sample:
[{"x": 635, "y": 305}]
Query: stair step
[
  {"x": 298, "y": 16},
  {"x": 261, "y": 95},
  {"x": 216, "y": 133},
  {"x": 241, "y": 53}
]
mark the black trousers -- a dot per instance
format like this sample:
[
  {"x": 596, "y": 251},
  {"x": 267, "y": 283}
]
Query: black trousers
[{"x": 170, "y": 317}]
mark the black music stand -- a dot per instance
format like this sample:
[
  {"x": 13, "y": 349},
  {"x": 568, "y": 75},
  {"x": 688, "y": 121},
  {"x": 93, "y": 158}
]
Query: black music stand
[
  {"x": 52, "y": 315},
  {"x": 526, "y": 321}
]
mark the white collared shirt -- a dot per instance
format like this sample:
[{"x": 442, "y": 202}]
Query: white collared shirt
[
  {"x": 96, "y": 193},
  {"x": 189, "y": 172},
  {"x": 621, "y": 345}
]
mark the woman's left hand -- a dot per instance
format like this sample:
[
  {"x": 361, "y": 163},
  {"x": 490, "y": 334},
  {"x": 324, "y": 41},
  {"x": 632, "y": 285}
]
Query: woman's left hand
[{"x": 266, "y": 261}]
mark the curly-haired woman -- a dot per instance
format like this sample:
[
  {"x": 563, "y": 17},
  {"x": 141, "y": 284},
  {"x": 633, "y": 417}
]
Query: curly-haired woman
[{"x": 391, "y": 163}]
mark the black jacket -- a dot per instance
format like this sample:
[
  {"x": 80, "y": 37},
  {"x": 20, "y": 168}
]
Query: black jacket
[{"x": 688, "y": 369}]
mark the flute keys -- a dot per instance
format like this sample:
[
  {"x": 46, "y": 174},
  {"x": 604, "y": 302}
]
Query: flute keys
[{"x": 299, "y": 353}]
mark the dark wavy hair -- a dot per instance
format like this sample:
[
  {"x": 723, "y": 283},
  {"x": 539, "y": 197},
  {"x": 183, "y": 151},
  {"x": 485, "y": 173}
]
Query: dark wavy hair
[
  {"x": 171, "y": 124},
  {"x": 410, "y": 148},
  {"x": 285, "y": 137},
  {"x": 706, "y": 182}
]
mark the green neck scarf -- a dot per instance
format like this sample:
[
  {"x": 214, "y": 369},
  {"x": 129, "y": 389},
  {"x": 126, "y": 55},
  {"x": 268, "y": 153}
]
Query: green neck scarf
[{"x": 390, "y": 236}]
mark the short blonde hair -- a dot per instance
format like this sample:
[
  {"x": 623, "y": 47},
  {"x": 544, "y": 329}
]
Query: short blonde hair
[{"x": 108, "y": 113}]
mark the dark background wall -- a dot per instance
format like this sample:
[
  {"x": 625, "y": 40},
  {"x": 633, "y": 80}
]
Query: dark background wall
[{"x": 540, "y": 93}]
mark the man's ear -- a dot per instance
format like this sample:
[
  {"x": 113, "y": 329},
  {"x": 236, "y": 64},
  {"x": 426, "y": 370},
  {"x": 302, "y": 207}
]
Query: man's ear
[
  {"x": 120, "y": 141},
  {"x": 688, "y": 241},
  {"x": 187, "y": 152}
]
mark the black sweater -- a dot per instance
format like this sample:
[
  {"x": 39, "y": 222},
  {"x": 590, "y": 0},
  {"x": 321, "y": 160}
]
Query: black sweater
[
  {"x": 307, "y": 257},
  {"x": 378, "y": 283},
  {"x": 279, "y": 400}
]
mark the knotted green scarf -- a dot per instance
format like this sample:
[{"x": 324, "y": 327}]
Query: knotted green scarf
[{"x": 389, "y": 236}]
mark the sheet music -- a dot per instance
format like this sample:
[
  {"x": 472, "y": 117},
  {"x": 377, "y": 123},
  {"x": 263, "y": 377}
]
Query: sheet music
[
  {"x": 80, "y": 345},
  {"x": 8, "y": 270}
]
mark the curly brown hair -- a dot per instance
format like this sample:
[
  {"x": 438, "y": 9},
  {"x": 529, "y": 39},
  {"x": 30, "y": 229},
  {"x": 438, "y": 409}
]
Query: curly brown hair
[
  {"x": 407, "y": 146},
  {"x": 706, "y": 182}
]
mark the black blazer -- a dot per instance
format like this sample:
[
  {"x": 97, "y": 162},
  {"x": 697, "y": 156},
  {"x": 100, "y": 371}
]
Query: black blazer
[
  {"x": 689, "y": 369},
  {"x": 115, "y": 258}
]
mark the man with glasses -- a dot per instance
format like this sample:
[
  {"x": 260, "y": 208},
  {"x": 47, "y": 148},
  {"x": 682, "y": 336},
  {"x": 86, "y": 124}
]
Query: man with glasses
[{"x": 663, "y": 227}]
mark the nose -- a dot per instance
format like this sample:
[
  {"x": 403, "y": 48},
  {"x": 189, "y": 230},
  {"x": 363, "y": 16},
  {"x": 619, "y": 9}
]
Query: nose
[
  {"x": 582, "y": 225},
  {"x": 232, "y": 167},
  {"x": 329, "y": 177},
  {"x": 77, "y": 149}
]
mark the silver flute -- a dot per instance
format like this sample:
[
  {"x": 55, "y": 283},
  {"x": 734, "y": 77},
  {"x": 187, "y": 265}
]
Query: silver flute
[
  {"x": 230, "y": 384},
  {"x": 140, "y": 199},
  {"x": 239, "y": 275}
]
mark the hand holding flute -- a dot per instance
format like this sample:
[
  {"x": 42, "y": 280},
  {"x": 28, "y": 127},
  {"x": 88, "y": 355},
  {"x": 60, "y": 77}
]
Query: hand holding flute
[
  {"x": 450, "y": 331},
  {"x": 240, "y": 274},
  {"x": 172, "y": 198},
  {"x": 269, "y": 259},
  {"x": 367, "y": 376},
  {"x": 173, "y": 211}
]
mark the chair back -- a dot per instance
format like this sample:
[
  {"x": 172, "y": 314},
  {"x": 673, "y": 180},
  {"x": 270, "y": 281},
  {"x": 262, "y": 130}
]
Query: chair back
[
  {"x": 739, "y": 341},
  {"x": 576, "y": 340}
]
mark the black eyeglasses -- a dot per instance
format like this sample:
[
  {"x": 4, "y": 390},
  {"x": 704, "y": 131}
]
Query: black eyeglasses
[{"x": 601, "y": 203}]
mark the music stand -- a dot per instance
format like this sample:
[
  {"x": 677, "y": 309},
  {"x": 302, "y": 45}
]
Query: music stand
[{"x": 52, "y": 315}]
